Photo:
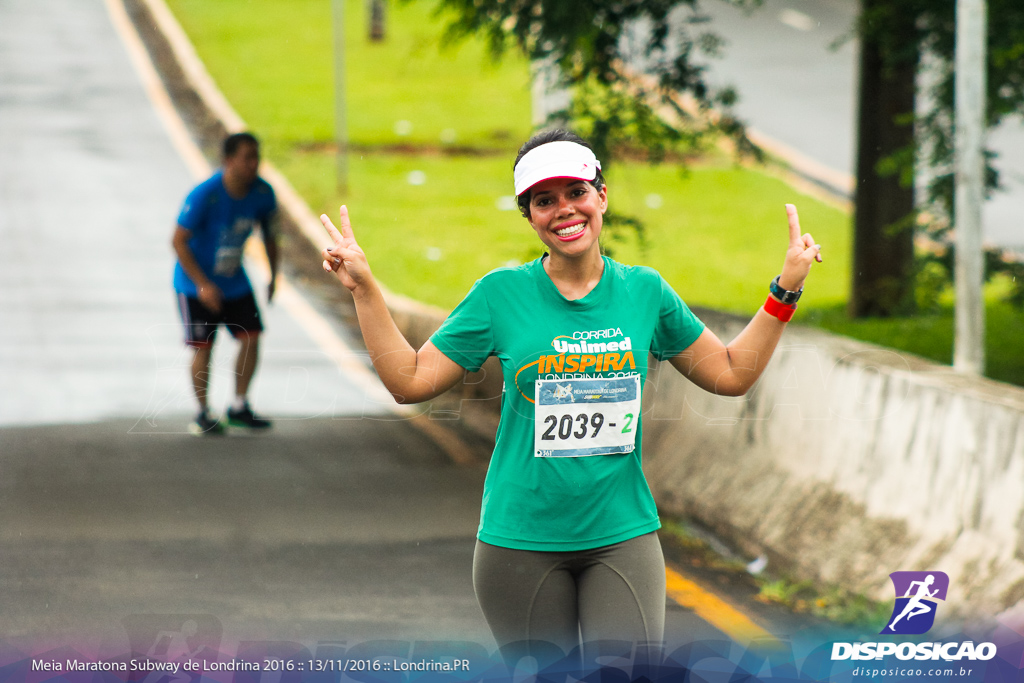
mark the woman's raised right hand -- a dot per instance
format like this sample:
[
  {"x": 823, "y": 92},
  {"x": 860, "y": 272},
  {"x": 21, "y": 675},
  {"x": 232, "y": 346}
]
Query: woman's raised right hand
[{"x": 345, "y": 258}]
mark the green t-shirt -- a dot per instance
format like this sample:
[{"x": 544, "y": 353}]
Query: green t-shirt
[{"x": 537, "y": 497}]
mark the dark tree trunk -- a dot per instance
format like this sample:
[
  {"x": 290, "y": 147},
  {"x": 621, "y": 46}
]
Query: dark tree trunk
[
  {"x": 883, "y": 240},
  {"x": 378, "y": 20}
]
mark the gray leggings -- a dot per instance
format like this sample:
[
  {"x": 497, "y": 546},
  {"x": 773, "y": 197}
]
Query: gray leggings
[{"x": 616, "y": 592}]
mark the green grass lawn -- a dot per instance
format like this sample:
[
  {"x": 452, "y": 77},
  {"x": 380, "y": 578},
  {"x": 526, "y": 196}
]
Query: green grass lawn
[
  {"x": 931, "y": 335},
  {"x": 431, "y": 241},
  {"x": 714, "y": 255},
  {"x": 274, "y": 62},
  {"x": 717, "y": 233},
  {"x": 720, "y": 233}
]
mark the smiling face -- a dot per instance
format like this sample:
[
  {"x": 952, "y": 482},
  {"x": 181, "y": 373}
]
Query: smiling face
[{"x": 567, "y": 215}]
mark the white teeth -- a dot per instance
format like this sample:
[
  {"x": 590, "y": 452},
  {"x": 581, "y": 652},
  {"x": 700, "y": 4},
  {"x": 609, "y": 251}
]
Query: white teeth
[{"x": 571, "y": 230}]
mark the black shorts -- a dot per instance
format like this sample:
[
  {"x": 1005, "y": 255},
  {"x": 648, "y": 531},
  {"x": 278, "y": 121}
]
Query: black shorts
[{"x": 240, "y": 316}]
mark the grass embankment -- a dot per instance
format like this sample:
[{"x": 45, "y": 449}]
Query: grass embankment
[{"x": 718, "y": 233}]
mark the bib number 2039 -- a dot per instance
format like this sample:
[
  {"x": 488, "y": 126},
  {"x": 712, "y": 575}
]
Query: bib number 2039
[
  {"x": 593, "y": 416},
  {"x": 580, "y": 426}
]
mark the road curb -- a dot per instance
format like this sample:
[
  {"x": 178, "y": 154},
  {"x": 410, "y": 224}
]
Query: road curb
[
  {"x": 806, "y": 174},
  {"x": 204, "y": 86},
  {"x": 409, "y": 313}
]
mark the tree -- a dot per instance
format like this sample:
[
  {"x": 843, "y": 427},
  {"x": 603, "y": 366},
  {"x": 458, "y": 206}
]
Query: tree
[
  {"x": 883, "y": 238},
  {"x": 894, "y": 36},
  {"x": 630, "y": 61},
  {"x": 377, "y": 12},
  {"x": 632, "y": 65}
]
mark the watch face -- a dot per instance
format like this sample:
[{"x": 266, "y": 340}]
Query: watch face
[{"x": 784, "y": 295}]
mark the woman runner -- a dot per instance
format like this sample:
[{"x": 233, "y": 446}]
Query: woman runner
[{"x": 566, "y": 546}]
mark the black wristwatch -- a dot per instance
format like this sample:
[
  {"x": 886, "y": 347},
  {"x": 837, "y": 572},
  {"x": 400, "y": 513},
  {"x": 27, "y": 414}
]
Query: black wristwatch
[{"x": 784, "y": 295}]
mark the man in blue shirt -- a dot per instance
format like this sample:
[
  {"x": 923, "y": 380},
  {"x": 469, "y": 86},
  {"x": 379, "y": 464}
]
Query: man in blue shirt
[{"x": 212, "y": 288}]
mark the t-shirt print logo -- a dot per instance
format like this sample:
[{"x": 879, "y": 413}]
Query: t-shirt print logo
[{"x": 916, "y": 596}]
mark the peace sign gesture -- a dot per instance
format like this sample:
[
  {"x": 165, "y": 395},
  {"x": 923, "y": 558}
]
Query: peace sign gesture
[
  {"x": 802, "y": 252},
  {"x": 345, "y": 258}
]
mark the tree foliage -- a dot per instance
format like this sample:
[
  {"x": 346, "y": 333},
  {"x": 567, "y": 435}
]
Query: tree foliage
[{"x": 635, "y": 66}]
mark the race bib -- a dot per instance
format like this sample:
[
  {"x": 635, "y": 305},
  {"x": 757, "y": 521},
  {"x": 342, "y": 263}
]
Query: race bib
[
  {"x": 229, "y": 253},
  {"x": 591, "y": 416},
  {"x": 227, "y": 261}
]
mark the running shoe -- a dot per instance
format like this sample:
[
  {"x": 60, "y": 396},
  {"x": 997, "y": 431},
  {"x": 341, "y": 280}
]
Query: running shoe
[
  {"x": 205, "y": 425},
  {"x": 244, "y": 417}
]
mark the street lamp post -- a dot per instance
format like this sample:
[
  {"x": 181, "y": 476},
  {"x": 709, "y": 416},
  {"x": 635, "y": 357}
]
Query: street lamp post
[
  {"x": 971, "y": 36},
  {"x": 340, "y": 120}
]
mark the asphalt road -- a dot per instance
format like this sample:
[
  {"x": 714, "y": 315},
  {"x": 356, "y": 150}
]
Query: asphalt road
[
  {"x": 343, "y": 522},
  {"x": 796, "y": 89},
  {"x": 321, "y": 530},
  {"x": 343, "y": 525}
]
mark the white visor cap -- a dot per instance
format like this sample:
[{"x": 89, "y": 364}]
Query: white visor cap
[{"x": 561, "y": 159}]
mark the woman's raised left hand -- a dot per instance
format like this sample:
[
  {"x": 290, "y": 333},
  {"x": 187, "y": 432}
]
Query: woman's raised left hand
[{"x": 802, "y": 252}]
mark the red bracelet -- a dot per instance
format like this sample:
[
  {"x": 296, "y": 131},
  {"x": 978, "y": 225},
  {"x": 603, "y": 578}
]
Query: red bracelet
[{"x": 779, "y": 310}]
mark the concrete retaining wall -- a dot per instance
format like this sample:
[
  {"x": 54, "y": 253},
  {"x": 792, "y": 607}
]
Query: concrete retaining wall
[{"x": 845, "y": 463}]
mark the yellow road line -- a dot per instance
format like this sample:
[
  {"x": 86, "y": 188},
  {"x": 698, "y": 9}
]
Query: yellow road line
[{"x": 713, "y": 609}]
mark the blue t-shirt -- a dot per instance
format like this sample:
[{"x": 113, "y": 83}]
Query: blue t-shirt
[{"x": 220, "y": 225}]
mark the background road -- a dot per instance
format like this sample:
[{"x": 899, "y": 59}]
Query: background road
[
  {"x": 797, "y": 90},
  {"x": 329, "y": 525},
  {"x": 342, "y": 524}
]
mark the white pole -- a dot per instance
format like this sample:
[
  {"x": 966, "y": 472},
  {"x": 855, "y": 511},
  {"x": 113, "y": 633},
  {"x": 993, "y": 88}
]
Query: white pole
[
  {"x": 340, "y": 120},
  {"x": 971, "y": 32},
  {"x": 547, "y": 93}
]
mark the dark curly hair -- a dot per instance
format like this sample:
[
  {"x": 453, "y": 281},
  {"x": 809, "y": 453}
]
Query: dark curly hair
[{"x": 543, "y": 138}]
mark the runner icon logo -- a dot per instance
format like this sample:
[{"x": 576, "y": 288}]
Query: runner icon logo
[
  {"x": 563, "y": 391},
  {"x": 916, "y": 600}
]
